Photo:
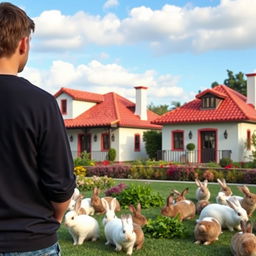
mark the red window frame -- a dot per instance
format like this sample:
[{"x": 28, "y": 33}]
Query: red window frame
[
  {"x": 174, "y": 142},
  {"x": 105, "y": 141},
  {"x": 137, "y": 142},
  {"x": 63, "y": 107}
]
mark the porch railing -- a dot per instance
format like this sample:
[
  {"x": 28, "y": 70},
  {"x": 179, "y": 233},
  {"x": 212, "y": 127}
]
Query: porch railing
[
  {"x": 95, "y": 155},
  {"x": 195, "y": 156}
]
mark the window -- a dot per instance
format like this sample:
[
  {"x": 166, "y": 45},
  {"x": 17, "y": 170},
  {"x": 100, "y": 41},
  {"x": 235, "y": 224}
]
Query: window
[
  {"x": 63, "y": 107},
  {"x": 209, "y": 102},
  {"x": 178, "y": 140},
  {"x": 248, "y": 140},
  {"x": 105, "y": 142},
  {"x": 137, "y": 142}
]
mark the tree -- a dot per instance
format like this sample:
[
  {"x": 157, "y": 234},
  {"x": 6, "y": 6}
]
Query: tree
[
  {"x": 153, "y": 142},
  {"x": 175, "y": 104},
  {"x": 235, "y": 82},
  {"x": 160, "y": 109}
]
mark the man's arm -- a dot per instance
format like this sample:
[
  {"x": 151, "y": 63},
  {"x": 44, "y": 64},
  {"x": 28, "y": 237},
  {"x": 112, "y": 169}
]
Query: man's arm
[{"x": 60, "y": 209}]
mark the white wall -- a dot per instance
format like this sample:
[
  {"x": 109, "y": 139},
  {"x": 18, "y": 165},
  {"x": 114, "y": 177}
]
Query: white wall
[{"x": 74, "y": 107}]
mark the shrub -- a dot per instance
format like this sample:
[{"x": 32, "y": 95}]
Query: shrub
[
  {"x": 88, "y": 183},
  {"x": 175, "y": 172},
  {"x": 250, "y": 177},
  {"x": 153, "y": 142},
  {"x": 225, "y": 162},
  {"x": 142, "y": 194},
  {"x": 111, "y": 154},
  {"x": 164, "y": 227},
  {"x": 114, "y": 171},
  {"x": 190, "y": 146},
  {"x": 84, "y": 160},
  {"x": 208, "y": 175},
  {"x": 114, "y": 191}
]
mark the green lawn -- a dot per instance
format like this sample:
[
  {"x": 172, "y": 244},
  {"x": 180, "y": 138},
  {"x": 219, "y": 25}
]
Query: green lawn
[{"x": 158, "y": 247}]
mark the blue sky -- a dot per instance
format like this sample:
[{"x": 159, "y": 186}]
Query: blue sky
[{"x": 175, "y": 47}]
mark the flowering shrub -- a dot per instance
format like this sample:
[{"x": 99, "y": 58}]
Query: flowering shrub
[
  {"x": 250, "y": 177},
  {"x": 208, "y": 175},
  {"x": 115, "y": 190},
  {"x": 114, "y": 171},
  {"x": 88, "y": 183},
  {"x": 175, "y": 172},
  {"x": 80, "y": 170}
]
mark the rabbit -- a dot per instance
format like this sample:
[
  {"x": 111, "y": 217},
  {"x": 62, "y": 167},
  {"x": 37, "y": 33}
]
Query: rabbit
[
  {"x": 179, "y": 196},
  {"x": 120, "y": 232},
  {"x": 74, "y": 197},
  {"x": 202, "y": 192},
  {"x": 200, "y": 205},
  {"x": 109, "y": 210},
  {"x": 139, "y": 236},
  {"x": 221, "y": 198},
  {"x": 97, "y": 203},
  {"x": 207, "y": 231},
  {"x": 244, "y": 243},
  {"x": 184, "y": 209},
  {"x": 224, "y": 187},
  {"x": 86, "y": 205},
  {"x": 137, "y": 217},
  {"x": 81, "y": 227},
  {"x": 228, "y": 217},
  {"x": 249, "y": 200}
]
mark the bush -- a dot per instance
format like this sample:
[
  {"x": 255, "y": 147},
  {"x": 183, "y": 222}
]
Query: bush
[
  {"x": 142, "y": 194},
  {"x": 175, "y": 172},
  {"x": 111, "y": 154},
  {"x": 164, "y": 227},
  {"x": 114, "y": 191},
  {"x": 114, "y": 171},
  {"x": 153, "y": 142},
  {"x": 80, "y": 170},
  {"x": 84, "y": 160},
  {"x": 88, "y": 183},
  {"x": 208, "y": 175},
  {"x": 190, "y": 146},
  {"x": 225, "y": 162}
]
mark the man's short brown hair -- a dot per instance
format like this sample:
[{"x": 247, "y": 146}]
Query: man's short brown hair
[{"x": 14, "y": 25}]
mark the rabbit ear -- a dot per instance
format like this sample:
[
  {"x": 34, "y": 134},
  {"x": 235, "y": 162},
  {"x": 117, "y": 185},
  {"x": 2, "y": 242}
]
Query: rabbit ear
[
  {"x": 231, "y": 204},
  {"x": 185, "y": 191},
  {"x": 113, "y": 204},
  {"x": 95, "y": 191},
  {"x": 221, "y": 183},
  {"x": 224, "y": 182},
  {"x": 174, "y": 191},
  {"x": 78, "y": 204},
  {"x": 105, "y": 204},
  {"x": 205, "y": 183},
  {"x": 248, "y": 227},
  {"x": 132, "y": 208},
  {"x": 169, "y": 200},
  {"x": 198, "y": 183},
  {"x": 139, "y": 207},
  {"x": 244, "y": 190}
]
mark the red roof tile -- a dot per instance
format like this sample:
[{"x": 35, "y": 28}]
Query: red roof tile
[
  {"x": 232, "y": 108},
  {"x": 113, "y": 109},
  {"x": 80, "y": 95}
]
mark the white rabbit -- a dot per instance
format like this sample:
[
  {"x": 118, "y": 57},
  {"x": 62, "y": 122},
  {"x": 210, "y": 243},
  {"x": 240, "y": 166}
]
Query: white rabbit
[
  {"x": 221, "y": 198},
  {"x": 109, "y": 210},
  {"x": 81, "y": 227},
  {"x": 86, "y": 205},
  {"x": 120, "y": 232},
  {"x": 202, "y": 192},
  {"x": 74, "y": 197},
  {"x": 228, "y": 217}
]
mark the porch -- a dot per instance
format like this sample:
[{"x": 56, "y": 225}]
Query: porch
[{"x": 195, "y": 156}]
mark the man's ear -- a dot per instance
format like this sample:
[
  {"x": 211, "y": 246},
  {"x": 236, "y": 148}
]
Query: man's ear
[{"x": 23, "y": 45}]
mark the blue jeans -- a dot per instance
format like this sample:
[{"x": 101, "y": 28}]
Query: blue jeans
[{"x": 53, "y": 250}]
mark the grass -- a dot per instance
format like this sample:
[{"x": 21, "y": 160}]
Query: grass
[{"x": 158, "y": 247}]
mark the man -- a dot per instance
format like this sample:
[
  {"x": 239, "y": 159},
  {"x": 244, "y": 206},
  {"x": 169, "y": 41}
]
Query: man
[{"x": 36, "y": 167}]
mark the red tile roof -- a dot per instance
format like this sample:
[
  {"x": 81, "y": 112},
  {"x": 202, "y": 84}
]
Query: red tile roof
[
  {"x": 112, "y": 109},
  {"x": 232, "y": 108},
  {"x": 80, "y": 95}
]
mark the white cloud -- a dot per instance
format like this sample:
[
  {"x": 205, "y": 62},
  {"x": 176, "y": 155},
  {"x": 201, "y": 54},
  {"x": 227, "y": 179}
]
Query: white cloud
[
  {"x": 229, "y": 25},
  {"x": 110, "y": 3},
  {"x": 104, "y": 78}
]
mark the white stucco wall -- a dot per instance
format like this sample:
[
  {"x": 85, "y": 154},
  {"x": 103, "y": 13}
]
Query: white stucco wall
[
  {"x": 74, "y": 107},
  {"x": 237, "y": 135}
]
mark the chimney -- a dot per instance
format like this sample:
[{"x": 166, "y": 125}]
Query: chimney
[
  {"x": 141, "y": 102},
  {"x": 251, "y": 89}
]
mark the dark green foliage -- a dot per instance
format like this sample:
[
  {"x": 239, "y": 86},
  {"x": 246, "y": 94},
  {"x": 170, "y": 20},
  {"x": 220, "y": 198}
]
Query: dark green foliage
[
  {"x": 83, "y": 160},
  {"x": 225, "y": 162},
  {"x": 111, "y": 154},
  {"x": 164, "y": 227},
  {"x": 153, "y": 142},
  {"x": 190, "y": 146},
  {"x": 160, "y": 109},
  {"x": 142, "y": 194}
]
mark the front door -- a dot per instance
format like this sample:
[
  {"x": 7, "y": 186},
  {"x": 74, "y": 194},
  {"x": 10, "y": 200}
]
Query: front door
[
  {"x": 84, "y": 141},
  {"x": 208, "y": 146}
]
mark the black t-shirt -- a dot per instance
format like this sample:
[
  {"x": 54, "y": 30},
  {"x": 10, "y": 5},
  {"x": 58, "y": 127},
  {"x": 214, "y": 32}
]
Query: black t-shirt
[{"x": 36, "y": 165}]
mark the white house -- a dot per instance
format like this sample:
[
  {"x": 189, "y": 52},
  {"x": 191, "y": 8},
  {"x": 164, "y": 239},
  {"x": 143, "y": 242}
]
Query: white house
[
  {"x": 97, "y": 122},
  {"x": 219, "y": 122}
]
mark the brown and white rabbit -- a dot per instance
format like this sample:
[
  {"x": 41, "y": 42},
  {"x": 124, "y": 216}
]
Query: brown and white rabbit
[
  {"x": 244, "y": 243},
  {"x": 179, "y": 196},
  {"x": 207, "y": 231},
  {"x": 137, "y": 216},
  {"x": 183, "y": 209},
  {"x": 81, "y": 227},
  {"x": 249, "y": 200},
  {"x": 202, "y": 192},
  {"x": 200, "y": 205},
  {"x": 139, "y": 221},
  {"x": 97, "y": 203},
  {"x": 120, "y": 232},
  {"x": 224, "y": 187}
]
